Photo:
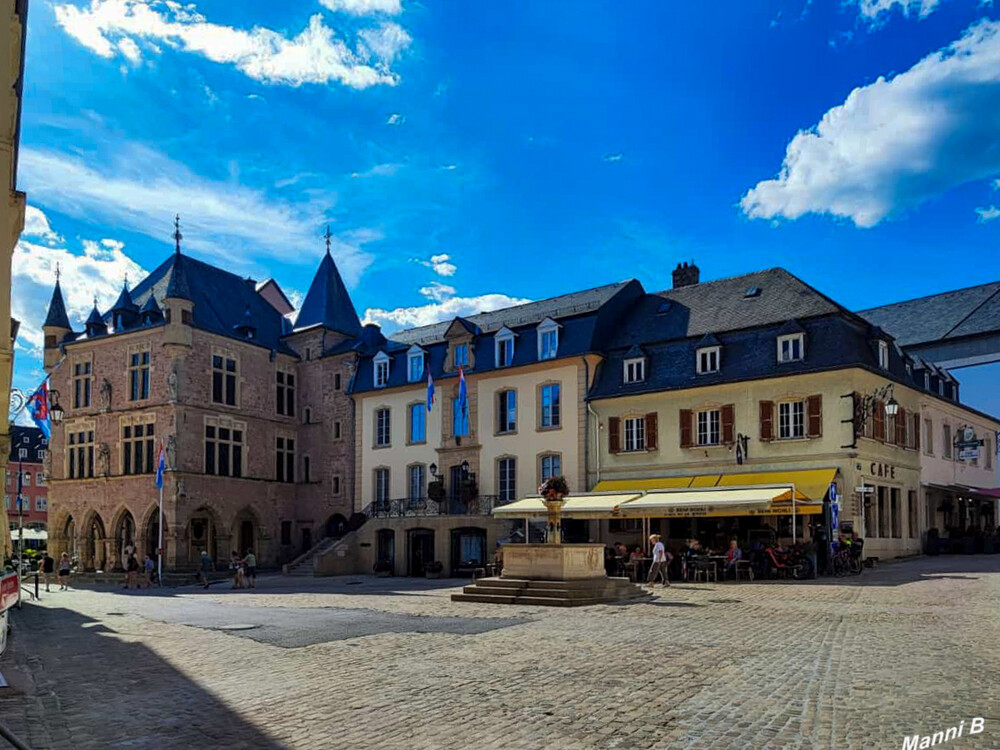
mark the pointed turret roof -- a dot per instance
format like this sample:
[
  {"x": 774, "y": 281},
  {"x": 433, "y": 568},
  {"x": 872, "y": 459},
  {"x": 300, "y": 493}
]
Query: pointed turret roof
[
  {"x": 57, "y": 317},
  {"x": 95, "y": 318},
  {"x": 150, "y": 306},
  {"x": 124, "y": 301},
  {"x": 327, "y": 302},
  {"x": 179, "y": 286}
]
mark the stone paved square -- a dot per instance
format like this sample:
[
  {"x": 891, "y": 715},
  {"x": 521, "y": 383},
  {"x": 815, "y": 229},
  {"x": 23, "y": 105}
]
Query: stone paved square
[{"x": 393, "y": 663}]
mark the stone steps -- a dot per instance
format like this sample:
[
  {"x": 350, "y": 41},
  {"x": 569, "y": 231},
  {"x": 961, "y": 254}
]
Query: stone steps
[{"x": 574, "y": 593}]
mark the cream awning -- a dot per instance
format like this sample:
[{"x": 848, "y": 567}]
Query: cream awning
[
  {"x": 810, "y": 484},
  {"x": 713, "y": 501},
  {"x": 591, "y": 505}
]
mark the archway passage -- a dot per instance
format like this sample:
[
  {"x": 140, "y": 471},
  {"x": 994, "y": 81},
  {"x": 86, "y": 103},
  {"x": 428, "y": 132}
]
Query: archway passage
[
  {"x": 124, "y": 540},
  {"x": 152, "y": 540},
  {"x": 93, "y": 552},
  {"x": 201, "y": 535},
  {"x": 336, "y": 526},
  {"x": 69, "y": 539},
  {"x": 245, "y": 537}
]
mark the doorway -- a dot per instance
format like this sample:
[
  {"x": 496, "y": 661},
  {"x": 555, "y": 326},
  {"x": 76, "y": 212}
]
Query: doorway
[
  {"x": 385, "y": 549},
  {"x": 246, "y": 537},
  {"x": 456, "y": 475},
  {"x": 421, "y": 543},
  {"x": 307, "y": 540}
]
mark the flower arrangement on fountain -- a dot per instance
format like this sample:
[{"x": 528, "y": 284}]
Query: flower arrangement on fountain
[
  {"x": 553, "y": 492},
  {"x": 554, "y": 488}
]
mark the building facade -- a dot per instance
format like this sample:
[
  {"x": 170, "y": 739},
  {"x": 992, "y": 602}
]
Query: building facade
[
  {"x": 14, "y": 16},
  {"x": 28, "y": 452},
  {"x": 251, "y": 409}
]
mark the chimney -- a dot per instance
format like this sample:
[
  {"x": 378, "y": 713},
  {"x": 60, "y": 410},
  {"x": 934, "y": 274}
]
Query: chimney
[{"x": 686, "y": 275}]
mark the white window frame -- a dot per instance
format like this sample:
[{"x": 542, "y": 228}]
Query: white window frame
[
  {"x": 708, "y": 427},
  {"x": 507, "y": 478},
  {"x": 548, "y": 327},
  {"x": 381, "y": 487},
  {"x": 634, "y": 370},
  {"x": 416, "y": 491},
  {"x": 791, "y": 339},
  {"x": 883, "y": 354},
  {"x": 503, "y": 336},
  {"x": 633, "y": 434},
  {"x": 380, "y": 373},
  {"x": 706, "y": 357},
  {"x": 552, "y": 459},
  {"x": 383, "y": 431},
  {"x": 415, "y": 354},
  {"x": 788, "y": 423}
]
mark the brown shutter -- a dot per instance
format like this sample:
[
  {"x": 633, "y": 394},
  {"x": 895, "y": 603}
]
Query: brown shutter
[
  {"x": 901, "y": 427},
  {"x": 814, "y": 426},
  {"x": 728, "y": 419},
  {"x": 916, "y": 431},
  {"x": 878, "y": 420},
  {"x": 652, "y": 434},
  {"x": 766, "y": 420},
  {"x": 685, "y": 420},
  {"x": 614, "y": 435}
]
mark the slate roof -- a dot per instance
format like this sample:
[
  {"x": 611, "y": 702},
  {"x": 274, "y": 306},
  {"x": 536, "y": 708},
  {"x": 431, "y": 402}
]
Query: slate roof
[
  {"x": 963, "y": 312},
  {"x": 30, "y": 438},
  {"x": 327, "y": 302},
  {"x": 529, "y": 313},
  {"x": 221, "y": 300},
  {"x": 57, "y": 310}
]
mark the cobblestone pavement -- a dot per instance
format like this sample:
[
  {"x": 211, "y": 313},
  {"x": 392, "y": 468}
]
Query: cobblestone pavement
[{"x": 847, "y": 663}]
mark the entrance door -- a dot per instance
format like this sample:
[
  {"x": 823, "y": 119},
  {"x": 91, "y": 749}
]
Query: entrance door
[
  {"x": 455, "y": 504},
  {"x": 421, "y": 550},
  {"x": 246, "y": 537},
  {"x": 307, "y": 540}
]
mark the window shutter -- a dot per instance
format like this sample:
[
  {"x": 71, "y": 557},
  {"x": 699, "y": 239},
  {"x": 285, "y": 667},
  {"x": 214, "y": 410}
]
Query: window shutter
[
  {"x": 651, "y": 433},
  {"x": 728, "y": 431},
  {"x": 901, "y": 427},
  {"x": 614, "y": 435},
  {"x": 766, "y": 420},
  {"x": 815, "y": 409},
  {"x": 878, "y": 420},
  {"x": 916, "y": 431},
  {"x": 685, "y": 422}
]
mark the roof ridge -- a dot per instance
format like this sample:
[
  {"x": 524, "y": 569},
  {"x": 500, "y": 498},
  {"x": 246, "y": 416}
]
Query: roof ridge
[
  {"x": 727, "y": 278},
  {"x": 931, "y": 296},
  {"x": 972, "y": 312}
]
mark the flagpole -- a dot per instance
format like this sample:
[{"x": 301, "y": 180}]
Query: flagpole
[
  {"x": 159, "y": 550},
  {"x": 20, "y": 535}
]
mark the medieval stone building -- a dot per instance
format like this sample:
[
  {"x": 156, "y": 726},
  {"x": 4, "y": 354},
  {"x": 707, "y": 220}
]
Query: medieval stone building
[{"x": 251, "y": 409}]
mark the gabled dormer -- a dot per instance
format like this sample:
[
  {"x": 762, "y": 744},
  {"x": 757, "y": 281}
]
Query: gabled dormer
[
  {"x": 246, "y": 328},
  {"x": 461, "y": 337},
  {"x": 634, "y": 365},
  {"x": 791, "y": 342},
  {"x": 708, "y": 355},
  {"x": 95, "y": 324},
  {"x": 380, "y": 374},
  {"x": 124, "y": 313},
  {"x": 548, "y": 339},
  {"x": 503, "y": 347},
  {"x": 150, "y": 313},
  {"x": 415, "y": 362}
]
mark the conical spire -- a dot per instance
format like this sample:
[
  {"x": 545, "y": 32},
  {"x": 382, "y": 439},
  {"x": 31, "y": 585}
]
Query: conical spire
[
  {"x": 327, "y": 302},
  {"x": 95, "y": 322},
  {"x": 57, "y": 317},
  {"x": 178, "y": 287},
  {"x": 150, "y": 311},
  {"x": 124, "y": 301}
]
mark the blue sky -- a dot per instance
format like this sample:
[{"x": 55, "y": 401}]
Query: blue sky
[{"x": 467, "y": 155}]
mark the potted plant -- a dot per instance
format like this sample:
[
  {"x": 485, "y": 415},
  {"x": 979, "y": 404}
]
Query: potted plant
[
  {"x": 553, "y": 492},
  {"x": 433, "y": 569},
  {"x": 383, "y": 569}
]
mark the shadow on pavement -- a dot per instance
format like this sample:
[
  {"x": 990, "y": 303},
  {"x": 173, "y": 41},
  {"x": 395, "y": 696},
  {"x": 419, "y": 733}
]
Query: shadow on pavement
[{"x": 81, "y": 687}]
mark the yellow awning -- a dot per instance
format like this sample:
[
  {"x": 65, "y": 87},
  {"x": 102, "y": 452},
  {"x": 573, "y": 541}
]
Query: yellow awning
[
  {"x": 705, "y": 502},
  {"x": 810, "y": 484},
  {"x": 590, "y": 505}
]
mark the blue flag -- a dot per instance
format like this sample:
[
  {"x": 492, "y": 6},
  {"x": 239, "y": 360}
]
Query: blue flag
[
  {"x": 463, "y": 395},
  {"x": 38, "y": 408},
  {"x": 430, "y": 390},
  {"x": 161, "y": 464}
]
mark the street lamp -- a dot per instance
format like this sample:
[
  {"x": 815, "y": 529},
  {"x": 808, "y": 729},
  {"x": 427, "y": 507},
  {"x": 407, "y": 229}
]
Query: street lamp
[
  {"x": 56, "y": 411},
  {"x": 891, "y": 407},
  {"x": 434, "y": 469}
]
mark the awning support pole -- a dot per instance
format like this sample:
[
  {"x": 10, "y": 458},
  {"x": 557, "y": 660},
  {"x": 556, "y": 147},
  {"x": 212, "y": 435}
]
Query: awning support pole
[{"x": 793, "y": 514}]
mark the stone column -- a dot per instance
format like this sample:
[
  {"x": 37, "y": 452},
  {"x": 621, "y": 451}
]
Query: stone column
[{"x": 223, "y": 543}]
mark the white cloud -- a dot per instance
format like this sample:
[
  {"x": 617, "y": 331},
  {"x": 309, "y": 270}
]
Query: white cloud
[
  {"x": 408, "y": 317},
  {"x": 379, "y": 170},
  {"x": 36, "y": 224},
  {"x": 395, "y": 119},
  {"x": 99, "y": 270},
  {"x": 315, "y": 55},
  {"x": 875, "y": 10},
  {"x": 364, "y": 7},
  {"x": 437, "y": 291},
  {"x": 611, "y": 158},
  {"x": 988, "y": 214},
  {"x": 440, "y": 264},
  {"x": 141, "y": 189},
  {"x": 130, "y": 50},
  {"x": 896, "y": 143}
]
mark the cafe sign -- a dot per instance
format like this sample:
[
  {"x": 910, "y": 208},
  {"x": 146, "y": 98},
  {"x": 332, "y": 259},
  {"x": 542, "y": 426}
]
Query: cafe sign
[{"x": 881, "y": 470}]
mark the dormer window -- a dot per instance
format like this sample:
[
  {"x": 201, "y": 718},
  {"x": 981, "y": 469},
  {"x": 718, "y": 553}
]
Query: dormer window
[
  {"x": 415, "y": 364},
  {"x": 940, "y": 386},
  {"x": 792, "y": 348},
  {"x": 460, "y": 355},
  {"x": 548, "y": 339},
  {"x": 635, "y": 370},
  {"x": 883, "y": 355},
  {"x": 927, "y": 380},
  {"x": 504, "y": 341},
  {"x": 381, "y": 370},
  {"x": 707, "y": 359}
]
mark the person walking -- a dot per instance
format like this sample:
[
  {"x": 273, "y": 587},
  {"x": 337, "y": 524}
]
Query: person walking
[
  {"x": 48, "y": 568},
  {"x": 64, "y": 572},
  {"x": 236, "y": 565},
  {"x": 132, "y": 572},
  {"x": 206, "y": 568},
  {"x": 250, "y": 561},
  {"x": 148, "y": 567},
  {"x": 660, "y": 562}
]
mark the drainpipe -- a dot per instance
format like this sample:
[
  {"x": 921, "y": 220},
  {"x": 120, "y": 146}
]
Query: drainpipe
[{"x": 597, "y": 441}]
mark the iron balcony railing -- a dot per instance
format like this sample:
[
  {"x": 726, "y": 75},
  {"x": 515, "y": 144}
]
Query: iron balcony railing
[{"x": 480, "y": 505}]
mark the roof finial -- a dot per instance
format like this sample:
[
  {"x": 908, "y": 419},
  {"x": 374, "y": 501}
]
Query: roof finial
[
  {"x": 125, "y": 283},
  {"x": 177, "y": 234},
  {"x": 327, "y": 235},
  {"x": 95, "y": 300},
  {"x": 58, "y": 272}
]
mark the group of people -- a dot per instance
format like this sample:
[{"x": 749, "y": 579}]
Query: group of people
[
  {"x": 48, "y": 568},
  {"x": 660, "y": 558},
  {"x": 137, "y": 576},
  {"x": 244, "y": 570}
]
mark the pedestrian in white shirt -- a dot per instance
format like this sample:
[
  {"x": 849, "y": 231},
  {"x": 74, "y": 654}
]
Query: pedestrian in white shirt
[{"x": 661, "y": 559}]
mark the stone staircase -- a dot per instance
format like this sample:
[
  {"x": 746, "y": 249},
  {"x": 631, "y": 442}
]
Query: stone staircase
[
  {"x": 304, "y": 565},
  {"x": 578, "y": 593}
]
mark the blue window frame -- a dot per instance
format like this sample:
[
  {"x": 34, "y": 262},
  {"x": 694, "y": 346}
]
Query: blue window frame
[
  {"x": 418, "y": 423},
  {"x": 461, "y": 355},
  {"x": 460, "y": 420},
  {"x": 416, "y": 367}
]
